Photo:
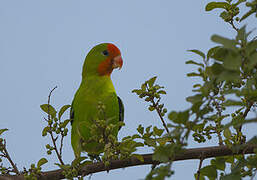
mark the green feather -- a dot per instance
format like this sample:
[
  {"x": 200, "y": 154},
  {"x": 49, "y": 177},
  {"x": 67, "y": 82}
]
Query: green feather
[{"x": 93, "y": 89}]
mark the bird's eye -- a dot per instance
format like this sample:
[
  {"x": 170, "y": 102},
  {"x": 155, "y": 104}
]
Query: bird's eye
[{"x": 105, "y": 53}]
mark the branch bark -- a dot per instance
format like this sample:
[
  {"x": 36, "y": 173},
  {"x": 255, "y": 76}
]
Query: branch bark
[{"x": 193, "y": 153}]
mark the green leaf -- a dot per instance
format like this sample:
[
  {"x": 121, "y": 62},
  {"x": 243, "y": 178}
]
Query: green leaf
[
  {"x": 219, "y": 162},
  {"x": 230, "y": 102},
  {"x": 233, "y": 76},
  {"x": 225, "y": 16},
  {"x": 62, "y": 110},
  {"x": 179, "y": 117},
  {"x": 157, "y": 131},
  {"x": 219, "y": 53},
  {"x": 64, "y": 124},
  {"x": 200, "y": 53},
  {"x": 212, "y": 51},
  {"x": 194, "y": 99},
  {"x": 143, "y": 87},
  {"x": 151, "y": 81},
  {"x": 150, "y": 142},
  {"x": 193, "y": 74},
  {"x": 217, "y": 69},
  {"x": 148, "y": 129},
  {"x": 47, "y": 108},
  {"x": 251, "y": 47},
  {"x": 41, "y": 162},
  {"x": 247, "y": 14},
  {"x": 161, "y": 154},
  {"x": 227, "y": 133},
  {"x": 139, "y": 157},
  {"x": 209, "y": 171},
  {"x": 45, "y": 131},
  {"x": 197, "y": 85},
  {"x": 140, "y": 129},
  {"x": 3, "y": 130},
  {"x": 173, "y": 115},
  {"x": 135, "y": 136},
  {"x": 241, "y": 34},
  {"x": 137, "y": 91},
  {"x": 151, "y": 108},
  {"x": 214, "y": 5},
  {"x": 161, "y": 92},
  {"x": 231, "y": 177},
  {"x": 232, "y": 61},
  {"x": 195, "y": 63},
  {"x": 227, "y": 43}
]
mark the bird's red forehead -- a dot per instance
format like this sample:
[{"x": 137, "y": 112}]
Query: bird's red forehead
[{"x": 114, "y": 51}]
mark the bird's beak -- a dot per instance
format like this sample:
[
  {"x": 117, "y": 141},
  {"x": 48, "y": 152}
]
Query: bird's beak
[{"x": 117, "y": 62}]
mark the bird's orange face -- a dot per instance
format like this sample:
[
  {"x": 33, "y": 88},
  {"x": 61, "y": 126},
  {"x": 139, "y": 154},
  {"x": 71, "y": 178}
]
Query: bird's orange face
[{"x": 113, "y": 60}]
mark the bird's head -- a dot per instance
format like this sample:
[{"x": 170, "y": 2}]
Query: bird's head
[{"x": 102, "y": 59}]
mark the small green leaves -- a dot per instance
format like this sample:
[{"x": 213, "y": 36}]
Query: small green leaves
[
  {"x": 179, "y": 117},
  {"x": 219, "y": 163},
  {"x": 2, "y": 131},
  {"x": 231, "y": 102},
  {"x": 47, "y": 108},
  {"x": 216, "y": 5},
  {"x": 45, "y": 131},
  {"x": 194, "y": 99},
  {"x": 41, "y": 162},
  {"x": 195, "y": 63},
  {"x": 157, "y": 131},
  {"x": 200, "y": 53},
  {"x": 64, "y": 123},
  {"x": 62, "y": 110},
  {"x": 209, "y": 171},
  {"x": 227, "y": 43},
  {"x": 227, "y": 133},
  {"x": 166, "y": 153},
  {"x": 152, "y": 92},
  {"x": 212, "y": 51},
  {"x": 151, "y": 81},
  {"x": 140, "y": 129}
]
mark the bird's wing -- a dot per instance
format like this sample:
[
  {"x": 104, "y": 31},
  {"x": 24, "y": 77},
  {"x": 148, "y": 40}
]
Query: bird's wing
[{"x": 121, "y": 110}]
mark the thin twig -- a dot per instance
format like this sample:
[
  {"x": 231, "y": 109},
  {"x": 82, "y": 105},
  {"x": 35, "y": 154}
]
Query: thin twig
[
  {"x": 233, "y": 25},
  {"x": 7, "y": 156},
  {"x": 200, "y": 166},
  {"x": 61, "y": 146},
  {"x": 51, "y": 133},
  {"x": 247, "y": 110},
  {"x": 155, "y": 105},
  {"x": 55, "y": 149}
]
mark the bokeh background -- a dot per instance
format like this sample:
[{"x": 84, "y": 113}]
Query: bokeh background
[{"x": 44, "y": 43}]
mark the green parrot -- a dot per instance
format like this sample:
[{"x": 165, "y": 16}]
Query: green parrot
[{"x": 96, "y": 86}]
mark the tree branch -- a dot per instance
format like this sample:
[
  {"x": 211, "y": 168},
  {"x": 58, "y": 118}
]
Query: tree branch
[
  {"x": 199, "y": 167},
  {"x": 193, "y": 153},
  {"x": 7, "y": 156}
]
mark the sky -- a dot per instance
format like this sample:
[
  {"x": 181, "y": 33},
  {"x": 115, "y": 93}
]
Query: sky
[{"x": 43, "y": 44}]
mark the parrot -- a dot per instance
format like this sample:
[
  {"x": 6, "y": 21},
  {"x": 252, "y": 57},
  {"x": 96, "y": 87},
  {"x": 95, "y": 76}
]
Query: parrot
[{"x": 96, "y": 86}]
